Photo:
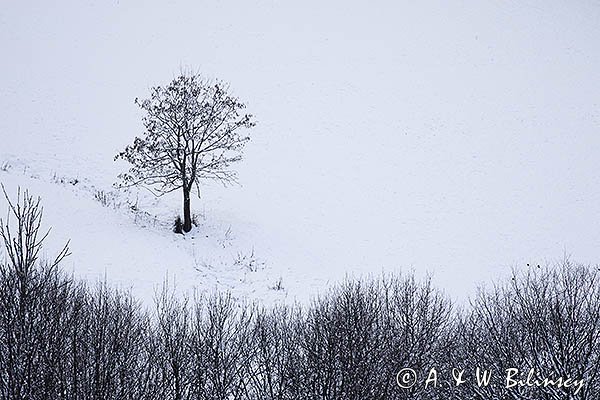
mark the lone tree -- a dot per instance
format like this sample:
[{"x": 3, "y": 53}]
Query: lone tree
[{"x": 192, "y": 132}]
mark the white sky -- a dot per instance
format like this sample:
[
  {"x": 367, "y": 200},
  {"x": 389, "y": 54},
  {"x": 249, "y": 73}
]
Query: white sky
[{"x": 458, "y": 137}]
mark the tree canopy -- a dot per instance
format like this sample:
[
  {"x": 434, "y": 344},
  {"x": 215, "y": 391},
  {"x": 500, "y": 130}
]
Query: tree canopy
[{"x": 192, "y": 131}]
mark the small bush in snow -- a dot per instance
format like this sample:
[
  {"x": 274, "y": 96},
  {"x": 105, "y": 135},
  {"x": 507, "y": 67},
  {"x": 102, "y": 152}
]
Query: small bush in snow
[
  {"x": 178, "y": 225},
  {"x": 278, "y": 285},
  {"x": 103, "y": 198}
]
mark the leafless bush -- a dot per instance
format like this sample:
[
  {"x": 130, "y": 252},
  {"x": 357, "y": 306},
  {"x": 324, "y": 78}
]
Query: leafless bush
[
  {"x": 115, "y": 354},
  {"x": 61, "y": 339},
  {"x": 107, "y": 199},
  {"x": 33, "y": 303},
  {"x": 278, "y": 285},
  {"x": 63, "y": 180},
  {"x": 58, "y": 339},
  {"x": 248, "y": 261},
  {"x": 169, "y": 345},
  {"x": 222, "y": 348},
  {"x": 547, "y": 319},
  {"x": 353, "y": 341},
  {"x": 273, "y": 370}
]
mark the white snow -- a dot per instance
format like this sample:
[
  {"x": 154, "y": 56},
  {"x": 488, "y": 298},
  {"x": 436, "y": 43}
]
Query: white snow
[{"x": 458, "y": 138}]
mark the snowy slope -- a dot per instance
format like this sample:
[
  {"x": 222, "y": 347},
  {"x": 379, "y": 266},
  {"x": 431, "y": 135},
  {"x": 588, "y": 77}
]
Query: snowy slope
[
  {"x": 459, "y": 138},
  {"x": 125, "y": 238}
]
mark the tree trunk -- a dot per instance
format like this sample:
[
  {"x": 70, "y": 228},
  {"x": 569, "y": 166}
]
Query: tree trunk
[{"x": 187, "y": 215}]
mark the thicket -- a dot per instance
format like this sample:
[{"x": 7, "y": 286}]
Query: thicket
[{"x": 62, "y": 339}]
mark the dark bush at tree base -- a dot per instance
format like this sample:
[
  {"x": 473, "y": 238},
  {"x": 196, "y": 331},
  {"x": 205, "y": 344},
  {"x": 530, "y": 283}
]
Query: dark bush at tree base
[{"x": 178, "y": 225}]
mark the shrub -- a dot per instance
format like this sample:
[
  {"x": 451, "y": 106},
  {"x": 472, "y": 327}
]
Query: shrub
[
  {"x": 547, "y": 319},
  {"x": 61, "y": 339},
  {"x": 178, "y": 225}
]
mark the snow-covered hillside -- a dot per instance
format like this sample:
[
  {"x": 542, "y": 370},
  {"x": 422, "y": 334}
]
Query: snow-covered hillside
[
  {"x": 126, "y": 239},
  {"x": 458, "y": 138}
]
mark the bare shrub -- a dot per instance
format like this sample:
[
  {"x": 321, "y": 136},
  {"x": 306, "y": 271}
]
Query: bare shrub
[
  {"x": 353, "y": 341},
  {"x": 547, "y": 319},
  {"x": 61, "y": 339},
  {"x": 221, "y": 348}
]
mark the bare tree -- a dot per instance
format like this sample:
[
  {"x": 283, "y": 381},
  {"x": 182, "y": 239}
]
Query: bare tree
[
  {"x": 192, "y": 132},
  {"x": 274, "y": 371},
  {"x": 352, "y": 342},
  {"x": 27, "y": 286},
  {"x": 170, "y": 344},
  {"x": 222, "y": 348},
  {"x": 60, "y": 339},
  {"x": 546, "y": 320}
]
